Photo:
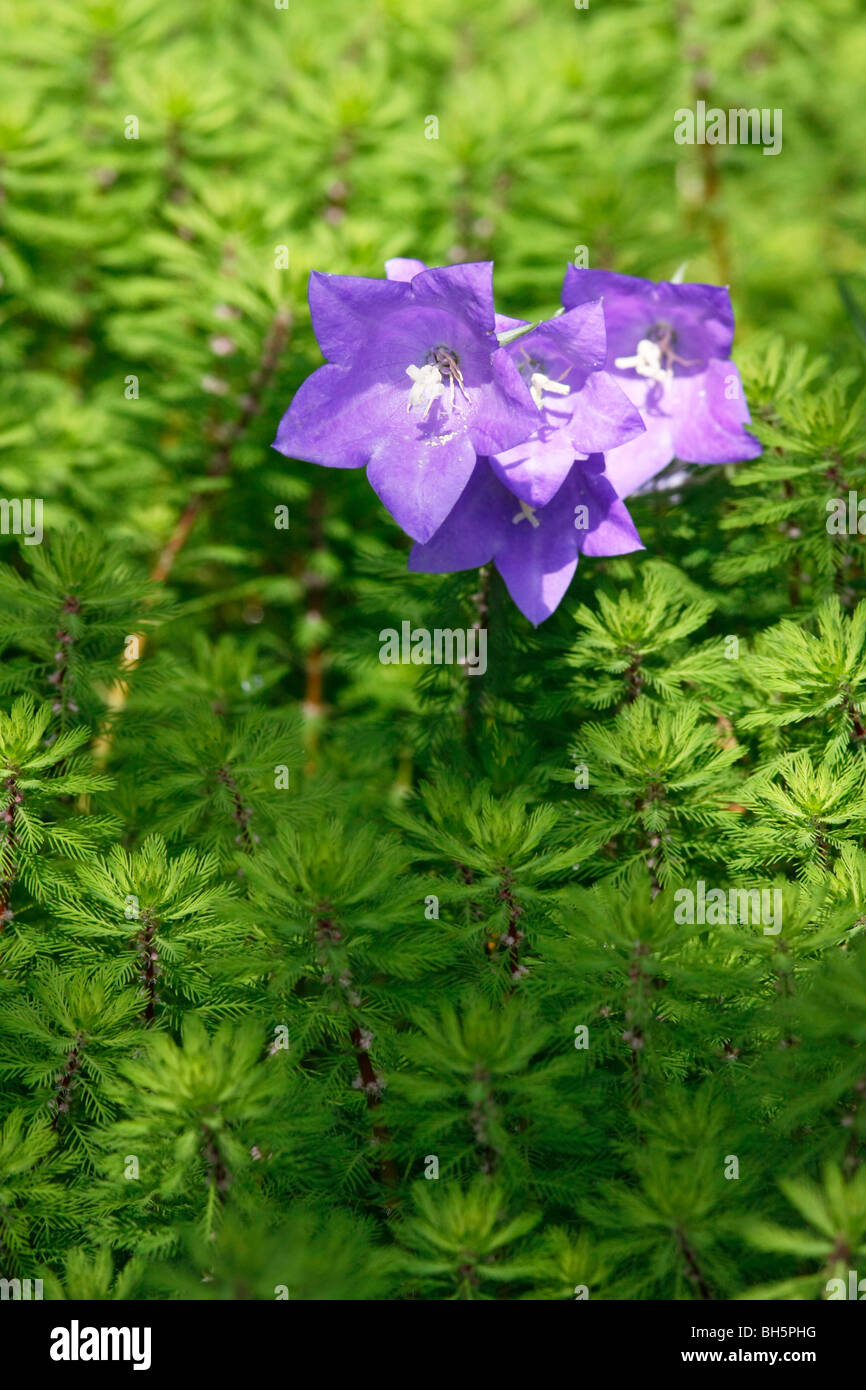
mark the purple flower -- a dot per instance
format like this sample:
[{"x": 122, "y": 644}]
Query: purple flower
[
  {"x": 416, "y": 387},
  {"x": 583, "y": 409},
  {"x": 535, "y": 551},
  {"x": 669, "y": 346}
]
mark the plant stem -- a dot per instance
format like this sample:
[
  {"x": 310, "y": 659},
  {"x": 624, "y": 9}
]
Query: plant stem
[
  {"x": 8, "y": 846},
  {"x": 221, "y": 461},
  {"x": 149, "y": 964},
  {"x": 693, "y": 1270}
]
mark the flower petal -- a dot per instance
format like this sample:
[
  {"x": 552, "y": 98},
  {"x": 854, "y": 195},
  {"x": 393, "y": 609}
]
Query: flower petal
[
  {"x": 337, "y": 415},
  {"x": 701, "y": 314},
  {"x": 466, "y": 290},
  {"x": 537, "y": 590},
  {"x": 536, "y": 554},
  {"x": 505, "y": 413},
  {"x": 709, "y": 414},
  {"x": 403, "y": 268},
  {"x": 632, "y": 464},
  {"x": 603, "y": 417},
  {"x": 535, "y": 471},
  {"x": 577, "y": 338},
  {"x": 466, "y": 539},
  {"x": 344, "y": 307},
  {"x": 419, "y": 478}
]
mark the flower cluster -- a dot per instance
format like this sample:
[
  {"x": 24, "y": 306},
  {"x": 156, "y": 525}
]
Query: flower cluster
[{"x": 491, "y": 439}]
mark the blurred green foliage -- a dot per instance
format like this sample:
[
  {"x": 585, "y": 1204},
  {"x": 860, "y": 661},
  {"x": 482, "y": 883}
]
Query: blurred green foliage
[{"x": 297, "y": 948}]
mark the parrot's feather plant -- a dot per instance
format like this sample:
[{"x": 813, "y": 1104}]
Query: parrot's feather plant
[{"x": 475, "y": 913}]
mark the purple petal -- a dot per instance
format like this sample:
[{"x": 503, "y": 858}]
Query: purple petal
[
  {"x": 538, "y": 564},
  {"x": 709, "y": 414},
  {"x": 338, "y": 414},
  {"x": 603, "y": 416},
  {"x": 701, "y": 314},
  {"x": 594, "y": 415},
  {"x": 403, "y": 268},
  {"x": 505, "y": 324},
  {"x": 344, "y": 307},
  {"x": 505, "y": 412},
  {"x": 466, "y": 290},
  {"x": 576, "y": 340},
  {"x": 537, "y": 591},
  {"x": 536, "y": 554},
  {"x": 615, "y": 535},
  {"x": 535, "y": 471},
  {"x": 632, "y": 464},
  {"x": 468, "y": 536},
  {"x": 420, "y": 481},
  {"x": 610, "y": 529}
]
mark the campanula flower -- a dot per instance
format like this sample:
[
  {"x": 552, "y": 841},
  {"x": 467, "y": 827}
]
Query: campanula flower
[
  {"x": 416, "y": 387},
  {"x": 535, "y": 549},
  {"x": 669, "y": 346},
  {"x": 583, "y": 410}
]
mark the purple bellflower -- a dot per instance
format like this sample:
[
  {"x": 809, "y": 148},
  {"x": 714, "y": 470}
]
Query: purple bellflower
[
  {"x": 583, "y": 409},
  {"x": 416, "y": 386},
  {"x": 535, "y": 550},
  {"x": 669, "y": 345}
]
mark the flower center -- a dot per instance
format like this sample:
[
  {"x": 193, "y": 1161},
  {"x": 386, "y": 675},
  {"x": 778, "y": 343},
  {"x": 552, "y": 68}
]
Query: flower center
[
  {"x": 539, "y": 381},
  {"x": 655, "y": 356},
  {"x": 426, "y": 387},
  {"x": 526, "y": 513},
  {"x": 428, "y": 382}
]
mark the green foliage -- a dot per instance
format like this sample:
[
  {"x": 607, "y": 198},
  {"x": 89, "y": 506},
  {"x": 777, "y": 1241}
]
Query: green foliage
[
  {"x": 813, "y": 674},
  {"x": 62, "y": 626},
  {"x": 36, "y": 769},
  {"x": 805, "y": 811},
  {"x": 663, "y": 781},
  {"x": 62, "y": 1045},
  {"x": 330, "y": 980},
  {"x": 637, "y": 642},
  {"x": 30, "y": 1193},
  {"x": 461, "y": 1243},
  {"x": 835, "y": 1234},
  {"x": 195, "y": 1102},
  {"x": 168, "y": 923},
  {"x": 299, "y": 1254}
]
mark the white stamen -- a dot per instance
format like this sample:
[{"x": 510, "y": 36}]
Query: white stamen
[
  {"x": 655, "y": 357},
  {"x": 526, "y": 513},
  {"x": 539, "y": 383},
  {"x": 427, "y": 387},
  {"x": 646, "y": 362}
]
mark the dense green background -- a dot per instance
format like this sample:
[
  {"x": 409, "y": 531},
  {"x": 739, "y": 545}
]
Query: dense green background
[{"x": 156, "y": 258}]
